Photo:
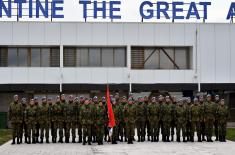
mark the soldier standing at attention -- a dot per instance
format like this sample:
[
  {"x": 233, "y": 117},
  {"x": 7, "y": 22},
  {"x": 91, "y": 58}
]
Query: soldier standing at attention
[
  {"x": 217, "y": 104},
  {"x": 140, "y": 119},
  {"x": 130, "y": 118},
  {"x": 86, "y": 117},
  {"x": 188, "y": 118},
  {"x": 101, "y": 119},
  {"x": 63, "y": 105},
  {"x": 68, "y": 113},
  {"x": 209, "y": 117},
  {"x": 122, "y": 125},
  {"x": 58, "y": 120},
  {"x": 81, "y": 103},
  {"x": 161, "y": 113},
  {"x": 181, "y": 121},
  {"x": 74, "y": 119},
  {"x": 153, "y": 116},
  {"x": 50, "y": 114},
  {"x": 23, "y": 125},
  {"x": 222, "y": 113},
  {"x": 15, "y": 116},
  {"x": 202, "y": 119},
  {"x": 147, "y": 123},
  {"x": 30, "y": 121},
  {"x": 196, "y": 120},
  {"x": 44, "y": 120},
  {"x": 117, "y": 114},
  {"x": 36, "y": 106},
  {"x": 173, "y": 117},
  {"x": 94, "y": 104},
  {"x": 167, "y": 119}
]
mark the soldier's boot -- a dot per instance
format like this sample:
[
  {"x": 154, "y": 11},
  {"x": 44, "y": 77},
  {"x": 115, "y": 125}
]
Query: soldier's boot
[
  {"x": 178, "y": 139},
  {"x": 121, "y": 140},
  {"x": 94, "y": 139},
  {"x": 130, "y": 141},
  {"x": 152, "y": 138},
  {"x": 80, "y": 139},
  {"x": 224, "y": 139},
  {"x": 203, "y": 138},
  {"x": 114, "y": 141},
  {"x": 188, "y": 138},
  {"x": 25, "y": 139},
  {"x": 211, "y": 139},
  {"x": 29, "y": 141},
  {"x": 192, "y": 139},
  {"x": 148, "y": 138},
  {"x": 199, "y": 139},
  {"x": 168, "y": 139},
  {"x": 60, "y": 140},
  {"x": 216, "y": 139},
  {"x": 84, "y": 142},
  {"x": 184, "y": 140},
  {"x": 163, "y": 138},
  {"x": 172, "y": 138},
  {"x": 125, "y": 139},
  {"x": 207, "y": 139},
  {"x": 157, "y": 139},
  {"x": 142, "y": 138},
  {"x": 73, "y": 140},
  {"x": 47, "y": 140},
  {"x": 89, "y": 141},
  {"x": 13, "y": 141},
  {"x": 41, "y": 140},
  {"x": 139, "y": 139},
  {"x": 18, "y": 140},
  {"x": 34, "y": 141},
  {"x": 67, "y": 140}
]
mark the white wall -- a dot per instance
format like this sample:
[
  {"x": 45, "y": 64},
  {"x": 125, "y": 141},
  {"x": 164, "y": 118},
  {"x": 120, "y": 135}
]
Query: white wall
[{"x": 215, "y": 54}]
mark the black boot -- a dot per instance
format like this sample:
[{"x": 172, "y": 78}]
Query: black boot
[
  {"x": 216, "y": 139},
  {"x": 184, "y": 139},
  {"x": 67, "y": 140},
  {"x": 199, "y": 139},
  {"x": 178, "y": 139},
  {"x": 192, "y": 139},
  {"x": 207, "y": 139},
  {"x": 203, "y": 138},
  {"x": 13, "y": 141},
  {"x": 142, "y": 138},
  {"x": 139, "y": 139},
  {"x": 18, "y": 140},
  {"x": 73, "y": 141},
  {"x": 29, "y": 141},
  {"x": 25, "y": 139},
  {"x": 152, "y": 139},
  {"x": 89, "y": 142},
  {"x": 148, "y": 138},
  {"x": 168, "y": 139},
  {"x": 224, "y": 139},
  {"x": 84, "y": 142},
  {"x": 114, "y": 141},
  {"x": 121, "y": 140},
  {"x": 172, "y": 138},
  {"x": 41, "y": 140},
  {"x": 130, "y": 141},
  {"x": 60, "y": 140},
  {"x": 47, "y": 140},
  {"x": 34, "y": 141},
  {"x": 80, "y": 139}
]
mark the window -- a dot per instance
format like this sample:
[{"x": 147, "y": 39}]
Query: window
[
  {"x": 95, "y": 57},
  {"x": 29, "y": 57},
  {"x": 160, "y": 57}
]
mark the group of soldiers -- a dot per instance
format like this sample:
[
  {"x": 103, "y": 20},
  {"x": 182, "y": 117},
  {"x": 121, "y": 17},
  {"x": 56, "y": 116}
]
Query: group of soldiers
[{"x": 86, "y": 119}]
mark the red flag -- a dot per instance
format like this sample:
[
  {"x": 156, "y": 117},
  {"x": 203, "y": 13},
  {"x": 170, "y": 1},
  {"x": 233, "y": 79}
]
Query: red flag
[{"x": 110, "y": 109}]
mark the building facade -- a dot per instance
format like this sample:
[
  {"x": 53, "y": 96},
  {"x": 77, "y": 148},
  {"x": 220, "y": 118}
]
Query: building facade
[{"x": 71, "y": 57}]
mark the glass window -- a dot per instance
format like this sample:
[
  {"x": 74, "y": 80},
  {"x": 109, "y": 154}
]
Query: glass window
[
  {"x": 35, "y": 57},
  {"x": 82, "y": 57},
  {"x": 69, "y": 57},
  {"x": 12, "y": 57},
  {"x": 22, "y": 57},
  {"x": 165, "y": 62},
  {"x": 94, "y": 57},
  {"x": 180, "y": 55},
  {"x": 55, "y": 57},
  {"x": 120, "y": 57},
  {"x": 107, "y": 57},
  {"x": 3, "y": 57},
  {"x": 151, "y": 58},
  {"x": 45, "y": 57}
]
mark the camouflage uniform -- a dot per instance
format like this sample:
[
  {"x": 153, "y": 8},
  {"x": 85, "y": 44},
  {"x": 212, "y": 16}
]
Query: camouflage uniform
[
  {"x": 140, "y": 120},
  {"x": 23, "y": 125},
  {"x": 44, "y": 121},
  {"x": 173, "y": 119},
  {"x": 122, "y": 124},
  {"x": 16, "y": 117},
  {"x": 58, "y": 121},
  {"x": 74, "y": 119},
  {"x": 101, "y": 119},
  {"x": 160, "y": 123},
  {"x": 196, "y": 115},
  {"x": 36, "y": 106},
  {"x": 222, "y": 113},
  {"x": 130, "y": 118},
  {"x": 117, "y": 113},
  {"x": 147, "y": 123},
  {"x": 86, "y": 118},
  {"x": 166, "y": 120},
  {"x": 31, "y": 124},
  {"x": 188, "y": 119},
  {"x": 216, "y": 119},
  {"x": 68, "y": 115},
  {"x": 50, "y": 113},
  {"x": 181, "y": 121},
  {"x": 202, "y": 120},
  {"x": 153, "y": 117}
]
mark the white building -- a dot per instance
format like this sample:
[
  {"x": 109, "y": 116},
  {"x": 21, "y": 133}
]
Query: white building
[{"x": 49, "y": 57}]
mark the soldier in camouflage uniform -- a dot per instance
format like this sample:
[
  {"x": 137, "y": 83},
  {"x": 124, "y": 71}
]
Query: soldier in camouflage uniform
[
  {"x": 196, "y": 115},
  {"x": 86, "y": 118},
  {"x": 147, "y": 123},
  {"x": 173, "y": 117},
  {"x": 75, "y": 119},
  {"x": 44, "y": 120},
  {"x": 117, "y": 114},
  {"x": 202, "y": 119},
  {"x": 161, "y": 113},
  {"x": 16, "y": 117},
  {"x": 81, "y": 103},
  {"x": 181, "y": 121},
  {"x": 217, "y": 104},
  {"x": 58, "y": 120},
  {"x": 122, "y": 124},
  {"x": 130, "y": 118},
  {"x": 50, "y": 115},
  {"x": 167, "y": 119},
  {"x": 63, "y": 105},
  {"x": 23, "y": 125},
  {"x": 30, "y": 121},
  {"x": 68, "y": 114},
  {"x": 94, "y": 104},
  {"x": 37, "y": 117},
  {"x": 188, "y": 106},
  {"x": 222, "y": 113},
  {"x": 140, "y": 119},
  {"x": 101, "y": 119},
  {"x": 153, "y": 117},
  {"x": 209, "y": 117}
]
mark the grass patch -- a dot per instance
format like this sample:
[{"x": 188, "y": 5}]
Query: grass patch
[
  {"x": 231, "y": 134},
  {"x": 5, "y": 135}
]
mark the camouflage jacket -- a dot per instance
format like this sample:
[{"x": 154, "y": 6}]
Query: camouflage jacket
[
  {"x": 129, "y": 113},
  {"x": 222, "y": 113},
  {"x": 15, "y": 112},
  {"x": 30, "y": 115},
  {"x": 153, "y": 111},
  {"x": 86, "y": 114}
]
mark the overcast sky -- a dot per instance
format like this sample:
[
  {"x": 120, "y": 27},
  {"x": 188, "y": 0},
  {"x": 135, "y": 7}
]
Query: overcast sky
[{"x": 217, "y": 12}]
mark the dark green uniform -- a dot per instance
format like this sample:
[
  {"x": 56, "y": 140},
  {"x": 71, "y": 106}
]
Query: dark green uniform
[
  {"x": 140, "y": 120},
  {"x": 58, "y": 118},
  {"x": 86, "y": 118},
  {"x": 37, "y": 117},
  {"x": 173, "y": 119},
  {"x": 160, "y": 123},
  {"x": 202, "y": 120},
  {"x": 209, "y": 119},
  {"x": 222, "y": 113},
  {"x": 188, "y": 107},
  {"x": 130, "y": 118},
  {"x": 122, "y": 124},
  {"x": 166, "y": 120},
  {"x": 216, "y": 123},
  {"x": 68, "y": 114},
  {"x": 100, "y": 120},
  {"x": 44, "y": 121},
  {"x": 16, "y": 117},
  {"x": 50, "y": 113},
  {"x": 23, "y": 129},
  {"x": 153, "y": 117},
  {"x": 181, "y": 122},
  {"x": 74, "y": 120},
  {"x": 31, "y": 124},
  {"x": 117, "y": 114},
  {"x": 196, "y": 115}
]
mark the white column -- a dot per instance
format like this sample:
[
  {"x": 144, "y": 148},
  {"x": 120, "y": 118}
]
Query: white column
[
  {"x": 129, "y": 67},
  {"x": 61, "y": 66}
]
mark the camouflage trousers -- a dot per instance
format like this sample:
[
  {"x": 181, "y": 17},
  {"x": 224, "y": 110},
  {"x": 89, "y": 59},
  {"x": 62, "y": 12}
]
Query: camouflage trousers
[
  {"x": 140, "y": 125},
  {"x": 180, "y": 126},
  {"x": 154, "y": 128},
  {"x": 58, "y": 125},
  {"x": 166, "y": 128},
  {"x": 222, "y": 128},
  {"x": 195, "y": 127},
  {"x": 209, "y": 127},
  {"x": 44, "y": 129},
  {"x": 31, "y": 126},
  {"x": 130, "y": 130},
  {"x": 86, "y": 131},
  {"x": 67, "y": 129},
  {"x": 99, "y": 132},
  {"x": 16, "y": 129}
]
